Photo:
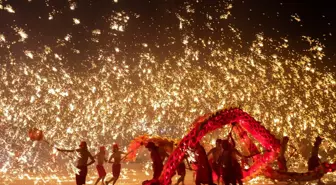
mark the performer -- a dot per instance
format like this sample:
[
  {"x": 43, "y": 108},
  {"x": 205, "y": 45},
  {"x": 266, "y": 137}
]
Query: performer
[
  {"x": 227, "y": 164},
  {"x": 282, "y": 163},
  {"x": 236, "y": 173},
  {"x": 216, "y": 152},
  {"x": 82, "y": 164},
  {"x": 314, "y": 160},
  {"x": 181, "y": 170},
  {"x": 116, "y": 167},
  {"x": 162, "y": 151},
  {"x": 156, "y": 159},
  {"x": 204, "y": 172},
  {"x": 100, "y": 166}
]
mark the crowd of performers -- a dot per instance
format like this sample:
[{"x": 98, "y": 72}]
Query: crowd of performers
[
  {"x": 224, "y": 162},
  {"x": 85, "y": 155}
]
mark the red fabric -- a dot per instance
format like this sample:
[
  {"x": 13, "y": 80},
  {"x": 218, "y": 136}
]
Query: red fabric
[
  {"x": 116, "y": 168},
  {"x": 81, "y": 177},
  {"x": 101, "y": 171}
]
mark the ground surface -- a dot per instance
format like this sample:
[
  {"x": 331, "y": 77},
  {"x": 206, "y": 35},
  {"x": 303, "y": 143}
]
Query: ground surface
[{"x": 132, "y": 174}]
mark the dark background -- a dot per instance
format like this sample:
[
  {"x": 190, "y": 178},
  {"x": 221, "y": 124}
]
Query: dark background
[{"x": 155, "y": 22}]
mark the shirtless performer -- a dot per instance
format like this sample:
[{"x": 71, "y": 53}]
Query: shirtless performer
[
  {"x": 100, "y": 166},
  {"x": 82, "y": 164},
  {"x": 216, "y": 153},
  {"x": 116, "y": 167}
]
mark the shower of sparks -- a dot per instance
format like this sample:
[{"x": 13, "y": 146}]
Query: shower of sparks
[{"x": 117, "y": 98}]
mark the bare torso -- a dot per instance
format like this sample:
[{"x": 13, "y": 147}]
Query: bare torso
[
  {"x": 83, "y": 156},
  {"x": 101, "y": 158},
  {"x": 117, "y": 157}
]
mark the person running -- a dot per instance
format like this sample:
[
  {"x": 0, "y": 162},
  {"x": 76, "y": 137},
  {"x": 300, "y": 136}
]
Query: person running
[
  {"x": 100, "y": 166},
  {"x": 156, "y": 159},
  {"x": 204, "y": 172},
  {"x": 116, "y": 167},
  {"x": 216, "y": 152},
  {"x": 82, "y": 164}
]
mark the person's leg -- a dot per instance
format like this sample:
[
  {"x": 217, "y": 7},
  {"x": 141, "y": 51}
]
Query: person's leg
[
  {"x": 97, "y": 180},
  {"x": 107, "y": 182},
  {"x": 115, "y": 180},
  {"x": 116, "y": 173},
  {"x": 78, "y": 179},
  {"x": 103, "y": 182},
  {"x": 218, "y": 176},
  {"x": 181, "y": 179},
  {"x": 81, "y": 177},
  {"x": 84, "y": 175}
]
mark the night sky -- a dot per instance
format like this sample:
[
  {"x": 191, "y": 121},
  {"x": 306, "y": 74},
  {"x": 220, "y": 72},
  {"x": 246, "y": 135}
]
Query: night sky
[{"x": 155, "y": 22}]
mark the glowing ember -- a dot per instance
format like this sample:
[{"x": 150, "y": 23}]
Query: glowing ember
[{"x": 129, "y": 88}]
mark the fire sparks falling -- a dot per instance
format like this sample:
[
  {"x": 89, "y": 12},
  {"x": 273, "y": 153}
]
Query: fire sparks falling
[{"x": 123, "y": 99}]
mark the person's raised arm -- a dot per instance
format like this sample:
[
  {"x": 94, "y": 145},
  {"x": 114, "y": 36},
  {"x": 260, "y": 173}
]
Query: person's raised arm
[
  {"x": 92, "y": 159},
  {"x": 63, "y": 150}
]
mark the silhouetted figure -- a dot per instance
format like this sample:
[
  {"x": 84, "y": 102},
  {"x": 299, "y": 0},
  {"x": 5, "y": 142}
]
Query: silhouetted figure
[
  {"x": 204, "y": 171},
  {"x": 100, "y": 166},
  {"x": 164, "y": 148},
  {"x": 282, "y": 163},
  {"x": 82, "y": 164},
  {"x": 216, "y": 153},
  {"x": 116, "y": 166},
  {"x": 314, "y": 161},
  {"x": 181, "y": 171},
  {"x": 238, "y": 173},
  {"x": 227, "y": 170},
  {"x": 156, "y": 159},
  {"x": 231, "y": 169}
]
